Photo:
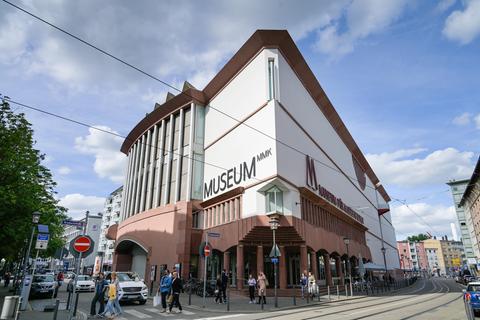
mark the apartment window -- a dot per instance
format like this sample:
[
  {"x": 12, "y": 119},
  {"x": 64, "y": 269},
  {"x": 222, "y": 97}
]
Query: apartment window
[
  {"x": 274, "y": 199},
  {"x": 271, "y": 78}
]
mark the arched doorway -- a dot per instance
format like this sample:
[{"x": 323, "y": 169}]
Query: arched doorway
[{"x": 131, "y": 256}]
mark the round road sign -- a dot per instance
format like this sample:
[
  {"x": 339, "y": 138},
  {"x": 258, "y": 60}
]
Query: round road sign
[
  {"x": 82, "y": 244},
  {"x": 206, "y": 250}
]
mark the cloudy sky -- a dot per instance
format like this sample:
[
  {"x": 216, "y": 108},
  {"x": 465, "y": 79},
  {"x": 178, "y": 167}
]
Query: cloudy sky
[{"x": 403, "y": 75}]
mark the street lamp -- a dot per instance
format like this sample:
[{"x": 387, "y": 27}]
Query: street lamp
[
  {"x": 35, "y": 220},
  {"x": 274, "y": 223},
  {"x": 384, "y": 261},
  {"x": 349, "y": 272}
]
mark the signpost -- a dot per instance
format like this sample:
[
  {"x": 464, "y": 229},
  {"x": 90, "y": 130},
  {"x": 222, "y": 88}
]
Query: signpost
[
  {"x": 206, "y": 252},
  {"x": 82, "y": 246},
  {"x": 42, "y": 241}
]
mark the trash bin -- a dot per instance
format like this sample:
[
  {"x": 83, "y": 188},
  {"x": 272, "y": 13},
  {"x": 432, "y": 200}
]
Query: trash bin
[{"x": 9, "y": 307}]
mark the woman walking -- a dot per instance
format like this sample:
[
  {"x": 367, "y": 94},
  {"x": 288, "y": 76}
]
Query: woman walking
[
  {"x": 176, "y": 289},
  {"x": 110, "y": 312},
  {"x": 252, "y": 283},
  {"x": 304, "y": 283},
  {"x": 218, "y": 289},
  {"x": 116, "y": 302},
  {"x": 262, "y": 287},
  {"x": 312, "y": 285}
]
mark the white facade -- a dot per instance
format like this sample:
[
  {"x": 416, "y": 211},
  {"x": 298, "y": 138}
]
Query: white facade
[{"x": 111, "y": 216}]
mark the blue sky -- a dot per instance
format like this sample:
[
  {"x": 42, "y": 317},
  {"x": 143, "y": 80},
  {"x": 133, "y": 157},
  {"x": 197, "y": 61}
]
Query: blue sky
[{"x": 403, "y": 75}]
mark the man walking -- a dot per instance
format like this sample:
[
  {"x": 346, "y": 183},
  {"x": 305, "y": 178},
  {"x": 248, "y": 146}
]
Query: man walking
[
  {"x": 224, "y": 285},
  {"x": 165, "y": 287},
  {"x": 100, "y": 285}
]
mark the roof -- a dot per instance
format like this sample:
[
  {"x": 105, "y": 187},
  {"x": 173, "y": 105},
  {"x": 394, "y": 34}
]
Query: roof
[
  {"x": 261, "y": 39},
  {"x": 471, "y": 184}
]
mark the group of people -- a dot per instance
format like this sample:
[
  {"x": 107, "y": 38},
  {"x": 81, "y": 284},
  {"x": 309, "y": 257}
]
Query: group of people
[
  {"x": 170, "y": 289},
  {"x": 260, "y": 284},
  {"x": 308, "y": 284},
  {"x": 102, "y": 287}
]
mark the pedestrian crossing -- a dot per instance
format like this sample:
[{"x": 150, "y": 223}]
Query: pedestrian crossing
[{"x": 153, "y": 313}]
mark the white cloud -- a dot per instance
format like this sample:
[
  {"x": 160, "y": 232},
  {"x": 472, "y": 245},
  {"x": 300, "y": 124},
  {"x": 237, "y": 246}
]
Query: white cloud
[
  {"x": 444, "y": 5},
  {"x": 436, "y": 217},
  {"x": 462, "y": 119},
  {"x": 77, "y": 204},
  {"x": 64, "y": 170},
  {"x": 109, "y": 161},
  {"x": 210, "y": 31},
  {"x": 362, "y": 18},
  {"x": 477, "y": 121},
  {"x": 464, "y": 25},
  {"x": 400, "y": 169}
]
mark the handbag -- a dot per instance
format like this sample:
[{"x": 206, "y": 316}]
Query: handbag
[
  {"x": 216, "y": 291},
  {"x": 170, "y": 298},
  {"x": 156, "y": 300}
]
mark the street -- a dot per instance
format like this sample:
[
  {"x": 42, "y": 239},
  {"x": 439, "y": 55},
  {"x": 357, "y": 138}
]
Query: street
[{"x": 434, "y": 298}]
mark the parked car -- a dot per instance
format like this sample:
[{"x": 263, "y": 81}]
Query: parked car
[
  {"x": 472, "y": 295},
  {"x": 467, "y": 279},
  {"x": 131, "y": 287},
  {"x": 43, "y": 285}
]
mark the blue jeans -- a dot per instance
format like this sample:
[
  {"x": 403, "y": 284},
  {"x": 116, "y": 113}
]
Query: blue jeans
[
  {"x": 109, "y": 308},
  {"x": 116, "y": 305}
]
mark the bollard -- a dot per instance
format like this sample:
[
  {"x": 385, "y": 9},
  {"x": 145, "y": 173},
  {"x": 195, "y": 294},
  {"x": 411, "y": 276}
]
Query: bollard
[
  {"x": 318, "y": 294},
  {"x": 294, "y": 296},
  {"x": 228, "y": 300},
  {"x": 261, "y": 299},
  {"x": 338, "y": 294},
  {"x": 76, "y": 305},
  {"x": 308, "y": 296},
  {"x": 68, "y": 300},
  {"x": 346, "y": 292},
  {"x": 328, "y": 292},
  {"x": 190, "y": 295},
  {"x": 55, "y": 311}
]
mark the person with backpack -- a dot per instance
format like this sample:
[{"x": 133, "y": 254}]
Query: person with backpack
[
  {"x": 112, "y": 296},
  {"x": 165, "y": 287}
]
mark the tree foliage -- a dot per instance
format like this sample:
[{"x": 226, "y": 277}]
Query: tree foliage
[
  {"x": 418, "y": 237},
  {"x": 25, "y": 186}
]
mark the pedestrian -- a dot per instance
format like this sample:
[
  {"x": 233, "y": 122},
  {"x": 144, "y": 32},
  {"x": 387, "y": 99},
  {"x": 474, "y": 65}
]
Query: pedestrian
[
  {"x": 312, "y": 285},
  {"x": 304, "y": 283},
  {"x": 60, "y": 278},
  {"x": 101, "y": 286},
  {"x": 116, "y": 302},
  {"x": 165, "y": 288},
  {"x": 218, "y": 289},
  {"x": 252, "y": 283},
  {"x": 6, "y": 279},
  {"x": 262, "y": 284},
  {"x": 176, "y": 289},
  {"x": 110, "y": 311},
  {"x": 224, "y": 284}
]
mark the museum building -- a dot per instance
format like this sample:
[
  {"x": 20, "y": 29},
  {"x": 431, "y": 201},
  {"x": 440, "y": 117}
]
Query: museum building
[{"x": 260, "y": 146}]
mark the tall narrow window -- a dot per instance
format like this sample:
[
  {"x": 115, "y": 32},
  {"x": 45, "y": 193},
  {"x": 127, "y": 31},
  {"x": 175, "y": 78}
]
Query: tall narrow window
[
  {"x": 271, "y": 78},
  {"x": 274, "y": 199}
]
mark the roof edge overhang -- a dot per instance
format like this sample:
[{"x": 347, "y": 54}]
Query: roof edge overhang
[{"x": 471, "y": 183}]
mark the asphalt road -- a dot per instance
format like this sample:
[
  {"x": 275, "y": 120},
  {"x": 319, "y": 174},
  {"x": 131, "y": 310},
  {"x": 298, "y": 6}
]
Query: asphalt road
[{"x": 435, "y": 298}]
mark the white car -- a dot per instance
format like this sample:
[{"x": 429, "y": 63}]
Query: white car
[
  {"x": 84, "y": 283},
  {"x": 131, "y": 288}
]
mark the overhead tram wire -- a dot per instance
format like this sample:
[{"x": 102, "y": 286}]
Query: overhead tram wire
[
  {"x": 149, "y": 75},
  {"x": 83, "y": 124},
  {"x": 404, "y": 202}
]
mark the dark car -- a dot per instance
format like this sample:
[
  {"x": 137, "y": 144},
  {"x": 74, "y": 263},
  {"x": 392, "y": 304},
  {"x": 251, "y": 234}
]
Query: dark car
[{"x": 43, "y": 285}]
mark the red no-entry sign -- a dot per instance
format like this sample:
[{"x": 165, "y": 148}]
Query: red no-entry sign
[
  {"x": 82, "y": 244},
  {"x": 206, "y": 250}
]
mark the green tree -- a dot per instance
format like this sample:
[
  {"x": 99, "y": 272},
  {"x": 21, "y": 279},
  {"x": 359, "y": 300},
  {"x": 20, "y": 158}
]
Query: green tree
[
  {"x": 25, "y": 186},
  {"x": 418, "y": 237}
]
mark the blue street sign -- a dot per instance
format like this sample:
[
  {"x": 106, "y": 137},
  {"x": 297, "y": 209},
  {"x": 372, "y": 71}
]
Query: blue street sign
[
  {"x": 42, "y": 237},
  {"x": 42, "y": 228},
  {"x": 73, "y": 223},
  {"x": 274, "y": 260},
  {"x": 65, "y": 265},
  {"x": 214, "y": 235}
]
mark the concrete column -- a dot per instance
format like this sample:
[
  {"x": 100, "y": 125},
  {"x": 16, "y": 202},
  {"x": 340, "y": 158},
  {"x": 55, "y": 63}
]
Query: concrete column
[
  {"x": 313, "y": 264},
  {"x": 143, "y": 190},
  {"x": 259, "y": 260},
  {"x": 328, "y": 271},
  {"x": 303, "y": 258},
  {"x": 240, "y": 267},
  {"x": 338, "y": 265},
  {"x": 226, "y": 261},
  {"x": 282, "y": 268}
]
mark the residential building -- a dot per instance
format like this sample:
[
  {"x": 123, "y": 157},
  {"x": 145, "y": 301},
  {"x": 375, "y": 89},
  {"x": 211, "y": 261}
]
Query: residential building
[
  {"x": 194, "y": 172},
  {"x": 453, "y": 254},
  {"x": 412, "y": 255},
  {"x": 465, "y": 221},
  {"x": 470, "y": 202},
  {"x": 111, "y": 216},
  {"x": 435, "y": 246},
  {"x": 432, "y": 257}
]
